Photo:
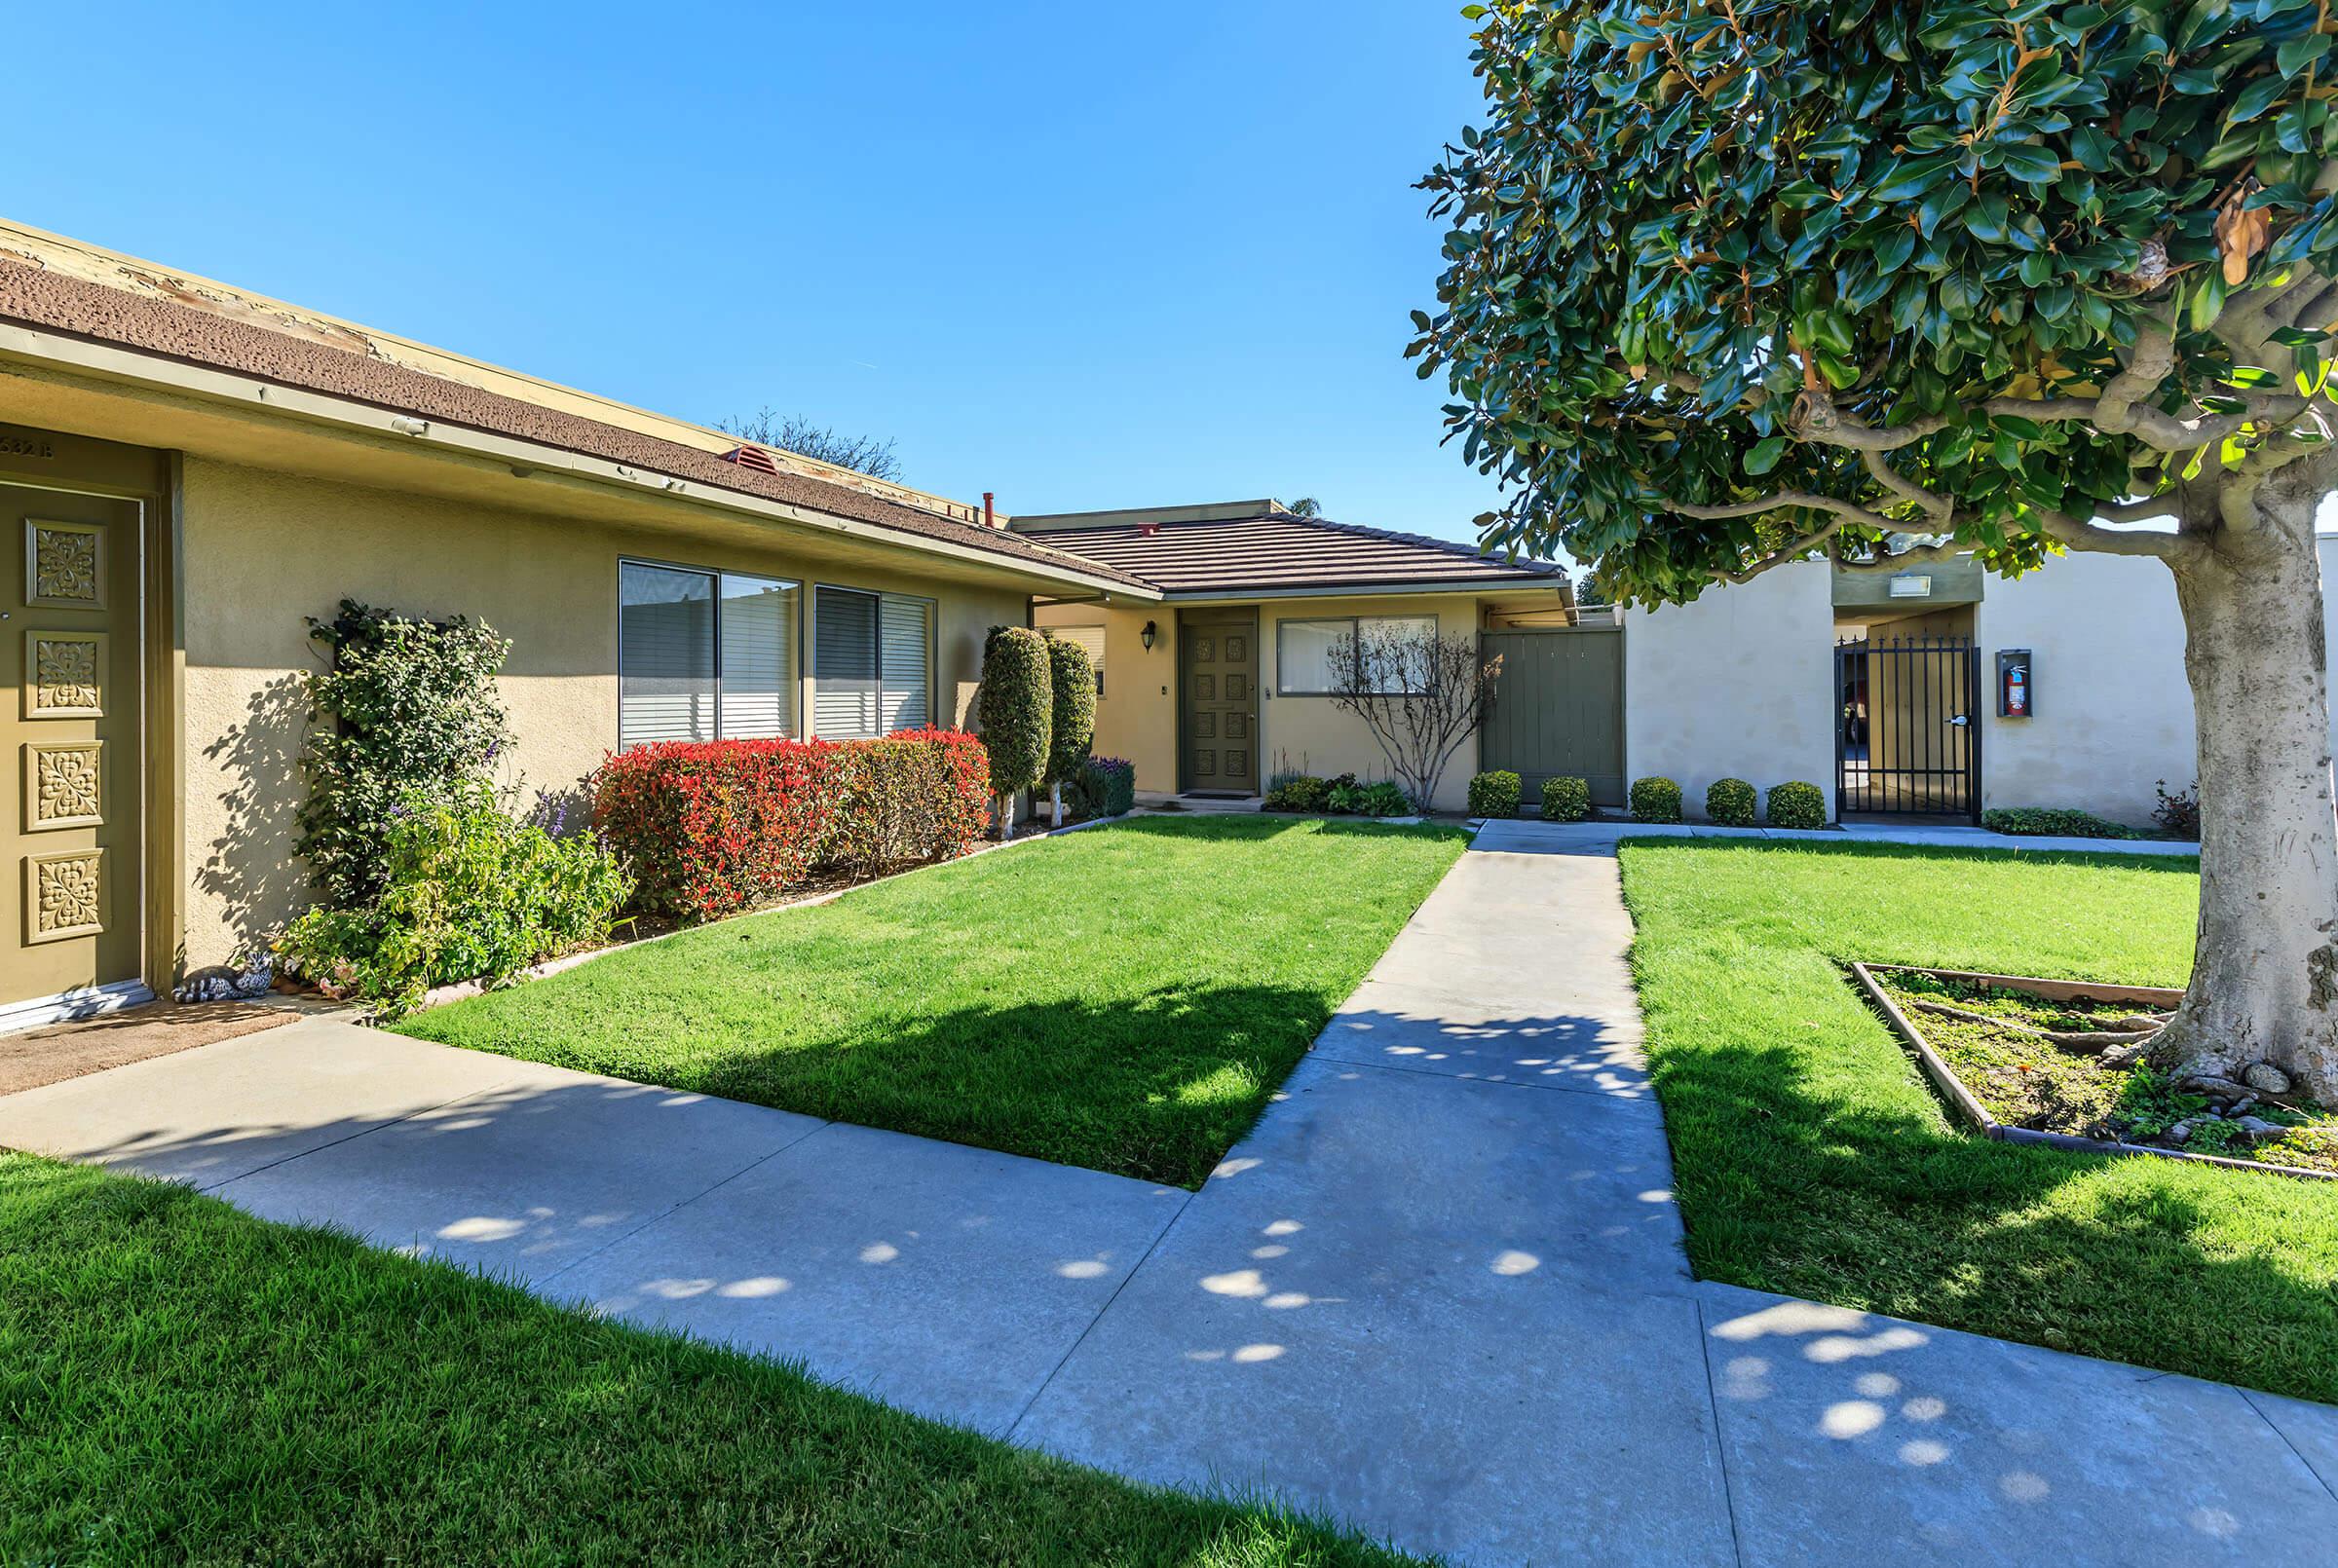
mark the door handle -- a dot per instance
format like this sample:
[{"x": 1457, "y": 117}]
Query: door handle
[{"x": 1961, "y": 722}]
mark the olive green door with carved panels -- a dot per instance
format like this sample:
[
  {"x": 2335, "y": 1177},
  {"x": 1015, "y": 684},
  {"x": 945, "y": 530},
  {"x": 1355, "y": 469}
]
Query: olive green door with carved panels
[
  {"x": 1218, "y": 718},
  {"x": 69, "y": 797}
]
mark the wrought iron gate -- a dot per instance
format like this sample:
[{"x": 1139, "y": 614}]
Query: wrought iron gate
[{"x": 1908, "y": 726}]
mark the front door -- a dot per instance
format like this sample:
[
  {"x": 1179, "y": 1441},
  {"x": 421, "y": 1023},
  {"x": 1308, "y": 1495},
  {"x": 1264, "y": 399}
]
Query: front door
[
  {"x": 1218, "y": 718},
  {"x": 70, "y": 704}
]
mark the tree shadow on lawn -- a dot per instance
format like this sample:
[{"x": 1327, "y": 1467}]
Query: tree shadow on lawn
[
  {"x": 1784, "y": 1186},
  {"x": 1156, "y": 1087}
]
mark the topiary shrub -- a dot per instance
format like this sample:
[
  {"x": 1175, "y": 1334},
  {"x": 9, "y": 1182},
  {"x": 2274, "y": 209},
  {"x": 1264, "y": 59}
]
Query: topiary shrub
[
  {"x": 1300, "y": 794},
  {"x": 1495, "y": 794},
  {"x": 413, "y": 712},
  {"x": 1071, "y": 728},
  {"x": 2053, "y": 822},
  {"x": 1797, "y": 804},
  {"x": 1732, "y": 802},
  {"x": 466, "y": 894},
  {"x": 1566, "y": 800},
  {"x": 1655, "y": 800},
  {"x": 1016, "y": 710}
]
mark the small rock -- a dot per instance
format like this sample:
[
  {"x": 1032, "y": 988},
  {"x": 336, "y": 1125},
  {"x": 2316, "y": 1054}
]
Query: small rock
[
  {"x": 2179, "y": 1131},
  {"x": 2218, "y": 1088},
  {"x": 2258, "y": 1127},
  {"x": 2265, "y": 1077},
  {"x": 2241, "y": 1107}
]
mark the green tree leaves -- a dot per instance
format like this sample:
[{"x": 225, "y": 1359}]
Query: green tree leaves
[{"x": 1689, "y": 235}]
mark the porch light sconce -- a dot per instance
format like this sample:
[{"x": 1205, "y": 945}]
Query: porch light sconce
[{"x": 1146, "y": 636}]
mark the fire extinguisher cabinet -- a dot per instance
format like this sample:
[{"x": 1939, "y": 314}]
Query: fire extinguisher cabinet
[{"x": 2016, "y": 685}]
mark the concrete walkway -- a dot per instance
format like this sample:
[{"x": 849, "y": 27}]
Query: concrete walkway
[{"x": 1440, "y": 1292}]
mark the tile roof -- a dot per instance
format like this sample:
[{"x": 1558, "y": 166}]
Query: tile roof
[
  {"x": 37, "y": 297},
  {"x": 1278, "y": 551}
]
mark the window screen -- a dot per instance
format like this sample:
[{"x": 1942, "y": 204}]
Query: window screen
[
  {"x": 844, "y": 664},
  {"x": 1303, "y": 655},
  {"x": 758, "y": 657},
  {"x": 664, "y": 654},
  {"x": 902, "y": 664}
]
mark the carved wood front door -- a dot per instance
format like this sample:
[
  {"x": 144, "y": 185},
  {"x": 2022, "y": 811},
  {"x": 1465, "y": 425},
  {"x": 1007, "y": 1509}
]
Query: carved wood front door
[
  {"x": 70, "y": 911},
  {"x": 1219, "y": 703}
]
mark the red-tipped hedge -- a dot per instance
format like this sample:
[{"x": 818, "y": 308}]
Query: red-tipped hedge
[{"x": 710, "y": 828}]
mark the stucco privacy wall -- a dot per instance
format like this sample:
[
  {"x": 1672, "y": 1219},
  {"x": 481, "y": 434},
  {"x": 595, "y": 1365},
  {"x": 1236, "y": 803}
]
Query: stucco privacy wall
[
  {"x": 263, "y": 551},
  {"x": 1138, "y": 716},
  {"x": 1738, "y": 683},
  {"x": 2113, "y": 710}
]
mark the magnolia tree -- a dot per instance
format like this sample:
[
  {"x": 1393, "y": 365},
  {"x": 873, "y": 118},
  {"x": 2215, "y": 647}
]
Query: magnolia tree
[
  {"x": 1735, "y": 284},
  {"x": 1419, "y": 693}
]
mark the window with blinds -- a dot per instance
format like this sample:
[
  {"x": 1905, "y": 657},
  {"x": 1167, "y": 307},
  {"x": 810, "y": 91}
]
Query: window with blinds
[
  {"x": 1090, "y": 640},
  {"x": 703, "y": 655},
  {"x": 872, "y": 659}
]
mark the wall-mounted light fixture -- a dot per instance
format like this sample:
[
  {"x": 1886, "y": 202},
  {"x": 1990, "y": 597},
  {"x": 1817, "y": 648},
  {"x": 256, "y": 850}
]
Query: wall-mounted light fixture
[{"x": 1146, "y": 635}]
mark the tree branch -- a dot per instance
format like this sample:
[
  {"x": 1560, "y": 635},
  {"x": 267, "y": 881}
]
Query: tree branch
[
  {"x": 2081, "y": 534},
  {"x": 1850, "y": 512},
  {"x": 1899, "y": 560},
  {"x": 1941, "y": 509}
]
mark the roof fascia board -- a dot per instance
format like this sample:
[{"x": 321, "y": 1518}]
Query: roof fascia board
[
  {"x": 1362, "y": 590},
  {"x": 249, "y": 395}
]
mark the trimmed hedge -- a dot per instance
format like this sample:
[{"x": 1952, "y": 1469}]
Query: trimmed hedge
[
  {"x": 1797, "y": 804},
  {"x": 1732, "y": 802},
  {"x": 711, "y": 829},
  {"x": 1016, "y": 708},
  {"x": 1496, "y": 794},
  {"x": 2053, "y": 822},
  {"x": 1071, "y": 732},
  {"x": 1655, "y": 800},
  {"x": 1566, "y": 800},
  {"x": 1303, "y": 793}
]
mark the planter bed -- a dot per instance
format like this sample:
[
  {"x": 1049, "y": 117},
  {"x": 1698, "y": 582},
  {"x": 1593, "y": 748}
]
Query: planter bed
[{"x": 2058, "y": 1062}]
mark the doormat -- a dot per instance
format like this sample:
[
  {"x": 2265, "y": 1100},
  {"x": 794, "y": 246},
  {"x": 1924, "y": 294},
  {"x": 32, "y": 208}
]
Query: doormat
[{"x": 61, "y": 1051}]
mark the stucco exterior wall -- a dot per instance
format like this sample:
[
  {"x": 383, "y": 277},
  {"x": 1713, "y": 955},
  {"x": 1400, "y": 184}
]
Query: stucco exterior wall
[
  {"x": 263, "y": 551},
  {"x": 1737, "y": 684},
  {"x": 1138, "y": 716},
  {"x": 2113, "y": 711}
]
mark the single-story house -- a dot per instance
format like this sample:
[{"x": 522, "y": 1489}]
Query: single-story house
[{"x": 189, "y": 471}]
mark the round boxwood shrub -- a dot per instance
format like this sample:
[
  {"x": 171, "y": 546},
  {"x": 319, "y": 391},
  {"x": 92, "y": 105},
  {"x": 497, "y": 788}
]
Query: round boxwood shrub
[
  {"x": 1655, "y": 800},
  {"x": 1797, "y": 805},
  {"x": 1016, "y": 708},
  {"x": 1566, "y": 800},
  {"x": 1495, "y": 794},
  {"x": 1732, "y": 802}
]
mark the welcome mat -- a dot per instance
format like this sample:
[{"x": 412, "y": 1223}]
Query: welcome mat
[{"x": 61, "y": 1051}]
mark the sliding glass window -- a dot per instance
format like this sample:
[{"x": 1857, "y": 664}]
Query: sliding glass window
[
  {"x": 703, "y": 655},
  {"x": 872, "y": 664}
]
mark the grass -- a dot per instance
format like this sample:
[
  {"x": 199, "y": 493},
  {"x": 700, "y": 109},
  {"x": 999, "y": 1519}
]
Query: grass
[
  {"x": 182, "y": 1383},
  {"x": 1812, "y": 1160},
  {"x": 1124, "y": 998}
]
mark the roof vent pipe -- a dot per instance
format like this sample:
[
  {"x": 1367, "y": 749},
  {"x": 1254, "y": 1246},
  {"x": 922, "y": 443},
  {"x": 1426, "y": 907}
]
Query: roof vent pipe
[{"x": 990, "y": 517}]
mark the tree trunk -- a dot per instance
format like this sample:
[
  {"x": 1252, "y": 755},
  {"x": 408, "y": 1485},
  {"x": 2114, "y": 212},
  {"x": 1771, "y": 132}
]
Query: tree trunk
[
  {"x": 2265, "y": 966},
  {"x": 1055, "y": 803},
  {"x": 1006, "y": 817}
]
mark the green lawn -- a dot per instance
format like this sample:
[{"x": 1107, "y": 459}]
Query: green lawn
[
  {"x": 182, "y": 1383},
  {"x": 1125, "y": 998},
  {"x": 1813, "y": 1160}
]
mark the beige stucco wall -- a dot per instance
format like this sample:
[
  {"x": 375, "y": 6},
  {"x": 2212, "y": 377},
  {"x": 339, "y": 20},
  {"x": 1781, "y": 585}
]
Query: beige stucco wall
[
  {"x": 1138, "y": 716},
  {"x": 264, "y": 549},
  {"x": 1737, "y": 684},
  {"x": 2113, "y": 711}
]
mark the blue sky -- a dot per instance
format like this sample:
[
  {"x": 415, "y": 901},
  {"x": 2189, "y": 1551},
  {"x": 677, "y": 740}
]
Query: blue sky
[{"x": 1082, "y": 256}]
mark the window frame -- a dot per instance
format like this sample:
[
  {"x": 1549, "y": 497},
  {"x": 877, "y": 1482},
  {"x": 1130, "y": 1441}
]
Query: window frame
[
  {"x": 715, "y": 576},
  {"x": 931, "y": 607},
  {"x": 1354, "y": 624}
]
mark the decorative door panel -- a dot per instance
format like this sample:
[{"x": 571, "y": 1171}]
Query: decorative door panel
[
  {"x": 1218, "y": 714},
  {"x": 70, "y": 910}
]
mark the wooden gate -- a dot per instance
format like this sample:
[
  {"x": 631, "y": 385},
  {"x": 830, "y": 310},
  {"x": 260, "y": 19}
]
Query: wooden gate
[{"x": 1557, "y": 708}]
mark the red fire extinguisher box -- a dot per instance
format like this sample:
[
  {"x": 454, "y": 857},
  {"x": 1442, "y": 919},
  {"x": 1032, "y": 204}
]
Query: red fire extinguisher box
[{"x": 2016, "y": 685}]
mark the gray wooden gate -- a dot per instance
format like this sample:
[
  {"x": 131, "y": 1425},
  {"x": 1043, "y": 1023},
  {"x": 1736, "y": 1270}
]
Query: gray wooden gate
[{"x": 1558, "y": 709}]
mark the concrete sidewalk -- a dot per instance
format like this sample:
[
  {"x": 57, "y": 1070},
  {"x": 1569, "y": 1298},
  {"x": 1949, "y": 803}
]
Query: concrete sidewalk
[{"x": 1440, "y": 1292}]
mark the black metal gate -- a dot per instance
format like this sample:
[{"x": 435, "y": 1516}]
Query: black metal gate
[{"x": 1907, "y": 730}]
